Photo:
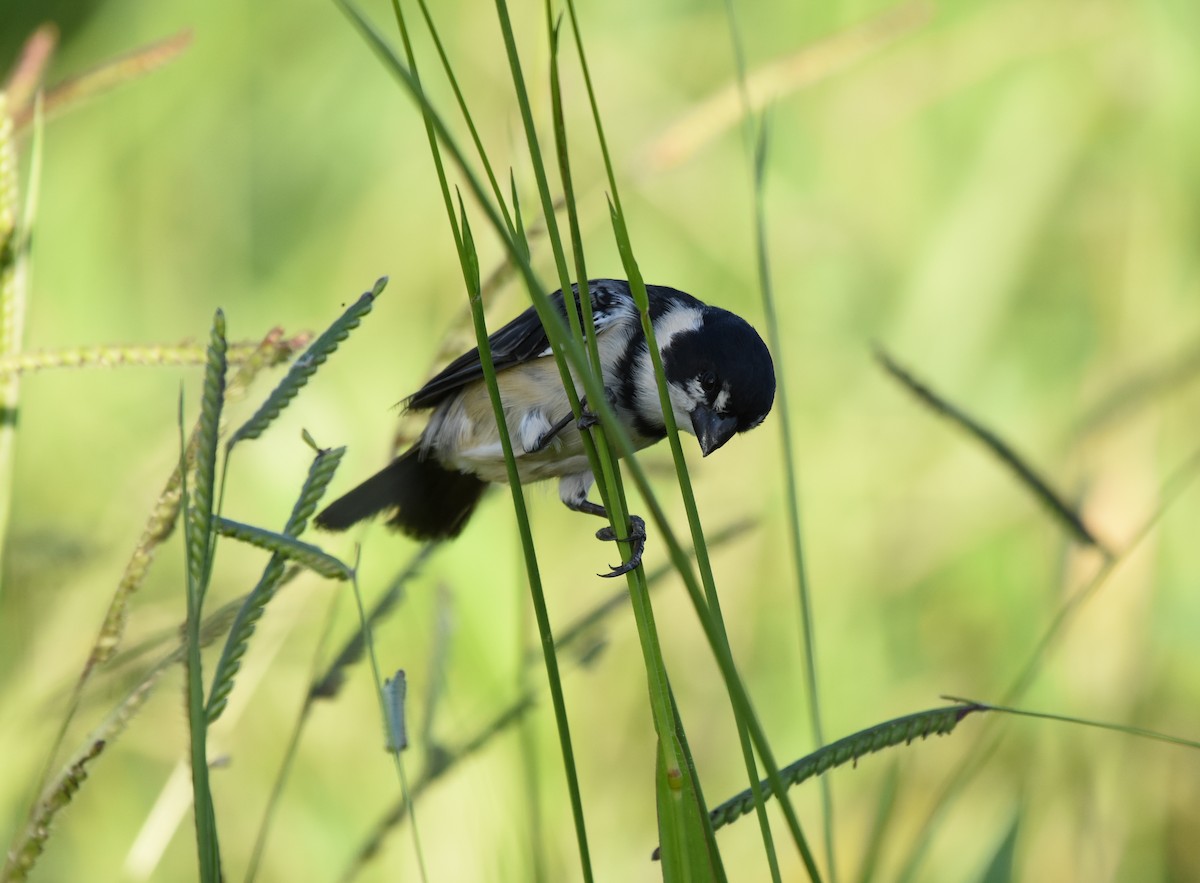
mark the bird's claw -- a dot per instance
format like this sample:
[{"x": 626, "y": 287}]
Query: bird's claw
[
  {"x": 587, "y": 420},
  {"x": 636, "y": 540}
]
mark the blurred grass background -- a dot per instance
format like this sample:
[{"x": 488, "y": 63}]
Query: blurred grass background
[{"x": 1008, "y": 198}]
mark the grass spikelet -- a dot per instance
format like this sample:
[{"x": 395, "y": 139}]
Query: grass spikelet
[
  {"x": 395, "y": 691},
  {"x": 287, "y": 547},
  {"x": 320, "y": 473},
  {"x": 1028, "y": 476},
  {"x": 937, "y": 721},
  {"x": 306, "y": 366},
  {"x": 23, "y": 857},
  {"x": 272, "y": 350},
  {"x": 199, "y": 527},
  {"x": 119, "y": 356}
]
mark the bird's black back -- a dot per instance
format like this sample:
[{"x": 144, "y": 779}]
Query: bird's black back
[{"x": 524, "y": 338}]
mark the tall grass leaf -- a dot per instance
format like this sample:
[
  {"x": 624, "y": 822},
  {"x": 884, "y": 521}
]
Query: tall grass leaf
[
  {"x": 289, "y": 548},
  {"x": 448, "y": 68},
  {"x": 1027, "y": 475},
  {"x": 320, "y": 473},
  {"x": 711, "y": 608},
  {"x": 528, "y": 549},
  {"x": 880, "y": 825},
  {"x": 14, "y": 259},
  {"x": 306, "y": 366},
  {"x": 1001, "y": 867},
  {"x": 901, "y": 730}
]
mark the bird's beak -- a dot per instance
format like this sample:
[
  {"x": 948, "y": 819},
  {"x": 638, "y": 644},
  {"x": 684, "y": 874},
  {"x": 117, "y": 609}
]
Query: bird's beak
[{"x": 712, "y": 429}]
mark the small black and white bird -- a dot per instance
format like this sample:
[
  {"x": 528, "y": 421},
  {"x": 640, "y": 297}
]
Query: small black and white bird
[{"x": 719, "y": 372}]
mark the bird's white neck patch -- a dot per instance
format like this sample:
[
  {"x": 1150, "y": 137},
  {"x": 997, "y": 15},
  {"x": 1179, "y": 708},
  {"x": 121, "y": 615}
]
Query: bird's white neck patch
[{"x": 676, "y": 321}]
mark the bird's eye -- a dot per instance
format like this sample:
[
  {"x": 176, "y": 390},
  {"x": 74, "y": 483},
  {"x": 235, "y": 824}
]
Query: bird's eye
[{"x": 708, "y": 381}]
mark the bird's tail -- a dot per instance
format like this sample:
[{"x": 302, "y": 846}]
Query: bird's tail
[{"x": 427, "y": 500}]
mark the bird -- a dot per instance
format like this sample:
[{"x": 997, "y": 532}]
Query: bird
[{"x": 720, "y": 377}]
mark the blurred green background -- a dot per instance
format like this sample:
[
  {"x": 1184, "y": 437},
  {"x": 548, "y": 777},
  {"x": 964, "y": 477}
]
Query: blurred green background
[{"x": 1006, "y": 195}]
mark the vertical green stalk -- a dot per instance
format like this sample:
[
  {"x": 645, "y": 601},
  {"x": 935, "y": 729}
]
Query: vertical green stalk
[
  {"x": 541, "y": 612},
  {"x": 14, "y": 238},
  {"x": 673, "y": 434},
  {"x": 567, "y": 350},
  {"x": 470, "y": 268},
  {"x": 756, "y": 140},
  {"x": 683, "y": 817},
  {"x": 386, "y": 716},
  {"x": 199, "y": 543}
]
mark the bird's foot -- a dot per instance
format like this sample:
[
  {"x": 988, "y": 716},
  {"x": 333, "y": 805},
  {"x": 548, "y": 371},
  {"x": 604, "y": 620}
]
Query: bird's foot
[{"x": 636, "y": 540}]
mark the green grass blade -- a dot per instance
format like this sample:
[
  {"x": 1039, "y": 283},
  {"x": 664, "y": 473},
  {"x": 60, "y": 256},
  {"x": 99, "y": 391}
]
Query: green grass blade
[
  {"x": 712, "y": 606},
  {"x": 1028, "y": 476},
  {"x": 756, "y": 142},
  {"x": 537, "y": 596},
  {"x": 1000, "y": 868},
  {"x": 306, "y": 366},
  {"x": 320, "y": 473},
  {"x": 288, "y": 548},
  {"x": 514, "y": 228},
  {"x": 15, "y": 232},
  {"x": 1139, "y": 732},
  {"x": 880, "y": 825}
]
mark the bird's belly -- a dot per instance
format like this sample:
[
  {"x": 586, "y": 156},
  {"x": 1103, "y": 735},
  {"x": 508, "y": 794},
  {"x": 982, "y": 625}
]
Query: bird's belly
[{"x": 464, "y": 436}]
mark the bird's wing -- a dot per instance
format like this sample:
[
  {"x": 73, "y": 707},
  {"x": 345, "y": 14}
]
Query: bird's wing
[{"x": 523, "y": 340}]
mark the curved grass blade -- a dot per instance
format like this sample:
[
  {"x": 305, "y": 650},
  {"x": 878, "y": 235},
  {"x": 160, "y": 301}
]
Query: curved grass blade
[
  {"x": 1037, "y": 485},
  {"x": 1140, "y": 732},
  {"x": 936, "y": 721},
  {"x": 880, "y": 825},
  {"x": 306, "y": 366},
  {"x": 287, "y": 547},
  {"x": 320, "y": 473}
]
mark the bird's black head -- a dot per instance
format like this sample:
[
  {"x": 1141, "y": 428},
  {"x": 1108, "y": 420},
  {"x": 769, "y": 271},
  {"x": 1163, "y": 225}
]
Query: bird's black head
[{"x": 721, "y": 377}]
